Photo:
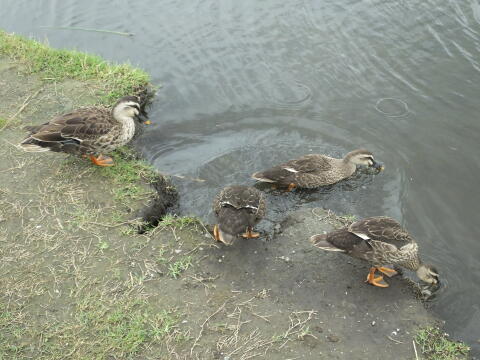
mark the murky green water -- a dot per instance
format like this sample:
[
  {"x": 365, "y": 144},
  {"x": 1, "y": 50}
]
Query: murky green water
[{"x": 249, "y": 84}]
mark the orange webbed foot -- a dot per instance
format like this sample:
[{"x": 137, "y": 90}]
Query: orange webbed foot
[
  {"x": 375, "y": 281},
  {"x": 291, "y": 186},
  {"x": 387, "y": 271},
  {"x": 102, "y": 160},
  {"x": 216, "y": 233},
  {"x": 249, "y": 234}
]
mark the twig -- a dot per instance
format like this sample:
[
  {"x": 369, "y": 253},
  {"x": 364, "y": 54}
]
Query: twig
[
  {"x": 262, "y": 317},
  {"x": 24, "y": 105},
  {"x": 415, "y": 348},
  {"x": 395, "y": 341},
  {"x": 203, "y": 326},
  {"x": 87, "y": 29}
]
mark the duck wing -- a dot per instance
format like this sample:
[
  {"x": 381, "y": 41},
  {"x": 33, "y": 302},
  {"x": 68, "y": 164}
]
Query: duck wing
[
  {"x": 81, "y": 125},
  {"x": 308, "y": 163},
  {"x": 381, "y": 231},
  {"x": 305, "y": 168}
]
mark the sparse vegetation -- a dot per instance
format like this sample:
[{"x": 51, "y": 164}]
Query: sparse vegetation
[
  {"x": 436, "y": 345},
  {"x": 59, "y": 64},
  {"x": 179, "y": 266},
  {"x": 128, "y": 174},
  {"x": 179, "y": 221}
]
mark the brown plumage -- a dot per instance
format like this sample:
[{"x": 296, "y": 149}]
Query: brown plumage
[
  {"x": 380, "y": 240},
  {"x": 238, "y": 209},
  {"x": 315, "y": 170},
  {"x": 87, "y": 131}
]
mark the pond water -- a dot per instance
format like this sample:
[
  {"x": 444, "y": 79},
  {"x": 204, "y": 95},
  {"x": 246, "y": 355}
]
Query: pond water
[{"x": 248, "y": 84}]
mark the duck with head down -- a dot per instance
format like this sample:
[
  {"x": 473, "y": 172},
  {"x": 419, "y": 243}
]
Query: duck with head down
[
  {"x": 315, "y": 170},
  {"x": 238, "y": 209},
  {"x": 380, "y": 240},
  {"x": 91, "y": 131}
]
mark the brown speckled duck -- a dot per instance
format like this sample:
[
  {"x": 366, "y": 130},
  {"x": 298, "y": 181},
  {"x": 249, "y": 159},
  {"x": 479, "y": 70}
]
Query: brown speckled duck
[
  {"x": 315, "y": 170},
  {"x": 380, "y": 240},
  {"x": 91, "y": 131},
  {"x": 238, "y": 209}
]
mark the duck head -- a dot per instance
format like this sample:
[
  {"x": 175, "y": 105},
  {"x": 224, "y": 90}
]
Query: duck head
[
  {"x": 363, "y": 157},
  {"x": 130, "y": 107},
  {"x": 428, "y": 274}
]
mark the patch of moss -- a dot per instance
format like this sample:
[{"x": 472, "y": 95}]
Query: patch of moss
[
  {"x": 61, "y": 64},
  {"x": 434, "y": 344}
]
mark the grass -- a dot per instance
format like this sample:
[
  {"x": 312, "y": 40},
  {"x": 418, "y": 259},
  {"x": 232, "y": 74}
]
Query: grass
[
  {"x": 127, "y": 174},
  {"x": 100, "y": 328},
  {"x": 179, "y": 222},
  {"x": 3, "y": 121},
  {"x": 179, "y": 266},
  {"x": 434, "y": 344},
  {"x": 60, "y": 64}
]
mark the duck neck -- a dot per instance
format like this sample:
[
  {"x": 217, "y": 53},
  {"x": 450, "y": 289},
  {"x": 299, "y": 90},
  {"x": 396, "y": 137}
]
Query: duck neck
[
  {"x": 348, "y": 166},
  {"x": 127, "y": 125}
]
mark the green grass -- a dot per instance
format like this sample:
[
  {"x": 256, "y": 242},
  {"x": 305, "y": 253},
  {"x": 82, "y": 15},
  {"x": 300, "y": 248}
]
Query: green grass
[
  {"x": 127, "y": 174},
  {"x": 61, "y": 64},
  {"x": 179, "y": 266},
  {"x": 3, "y": 121},
  {"x": 435, "y": 344},
  {"x": 100, "y": 329},
  {"x": 178, "y": 222}
]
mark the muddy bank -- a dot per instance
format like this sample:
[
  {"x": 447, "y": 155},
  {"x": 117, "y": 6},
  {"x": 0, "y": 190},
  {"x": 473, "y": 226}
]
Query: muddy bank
[{"x": 78, "y": 281}]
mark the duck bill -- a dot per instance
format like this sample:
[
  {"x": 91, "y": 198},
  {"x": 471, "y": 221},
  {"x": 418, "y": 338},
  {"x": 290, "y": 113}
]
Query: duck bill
[
  {"x": 378, "y": 166},
  {"x": 143, "y": 117}
]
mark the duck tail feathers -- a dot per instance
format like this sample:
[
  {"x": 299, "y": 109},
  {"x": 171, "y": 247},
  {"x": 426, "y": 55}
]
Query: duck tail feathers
[
  {"x": 320, "y": 241},
  {"x": 259, "y": 176},
  {"x": 32, "y": 145}
]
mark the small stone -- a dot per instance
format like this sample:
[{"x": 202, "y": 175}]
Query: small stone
[
  {"x": 333, "y": 338},
  {"x": 219, "y": 260},
  {"x": 178, "y": 251},
  {"x": 373, "y": 323}
]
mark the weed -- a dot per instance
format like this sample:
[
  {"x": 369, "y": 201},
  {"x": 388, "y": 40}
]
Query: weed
[
  {"x": 103, "y": 245},
  {"x": 436, "y": 345},
  {"x": 179, "y": 266}
]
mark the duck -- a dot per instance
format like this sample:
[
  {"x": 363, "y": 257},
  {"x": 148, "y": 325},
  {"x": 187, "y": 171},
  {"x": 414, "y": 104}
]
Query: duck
[
  {"x": 379, "y": 240},
  {"x": 316, "y": 170},
  {"x": 238, "y": 209},
  {"x": 90, "y": 131}
]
